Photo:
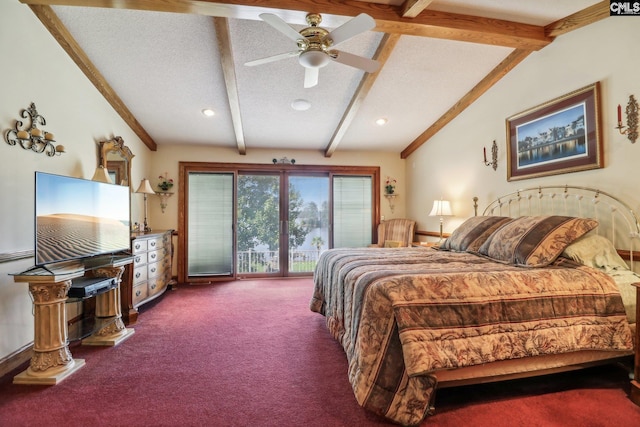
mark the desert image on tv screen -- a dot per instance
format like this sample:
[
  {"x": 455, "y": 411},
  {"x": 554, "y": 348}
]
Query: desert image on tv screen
[{"x": 77, "y": 218}]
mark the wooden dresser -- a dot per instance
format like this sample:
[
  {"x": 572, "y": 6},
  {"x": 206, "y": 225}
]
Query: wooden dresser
[{"x": 149, "y": 275}]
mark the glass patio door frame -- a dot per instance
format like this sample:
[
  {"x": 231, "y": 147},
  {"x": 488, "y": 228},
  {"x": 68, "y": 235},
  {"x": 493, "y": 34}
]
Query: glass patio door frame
[{"x": 280, "y": 169}]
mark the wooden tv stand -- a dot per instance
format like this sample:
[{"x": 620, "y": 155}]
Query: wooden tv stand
[{"x": 52, "y": 361}]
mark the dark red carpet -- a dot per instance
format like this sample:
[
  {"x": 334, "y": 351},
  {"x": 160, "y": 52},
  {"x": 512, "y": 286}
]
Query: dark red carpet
[{"x": 251, "y": 353}]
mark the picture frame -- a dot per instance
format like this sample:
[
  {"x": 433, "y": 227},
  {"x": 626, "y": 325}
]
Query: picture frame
[{"x": 560, "y": 136}]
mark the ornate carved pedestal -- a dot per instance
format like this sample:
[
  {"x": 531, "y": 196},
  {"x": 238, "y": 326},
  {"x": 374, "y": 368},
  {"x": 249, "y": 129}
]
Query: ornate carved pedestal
[
  {"x": 110, "y": 329},
  {"x": 51, "y": 361}
]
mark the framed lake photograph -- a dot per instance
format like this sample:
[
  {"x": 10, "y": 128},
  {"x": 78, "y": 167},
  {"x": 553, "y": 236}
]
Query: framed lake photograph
[{"x": 560, "y": 136}]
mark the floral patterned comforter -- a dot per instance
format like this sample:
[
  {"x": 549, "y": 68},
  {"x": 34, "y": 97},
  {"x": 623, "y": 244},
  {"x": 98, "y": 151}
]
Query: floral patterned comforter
[{"x": 402, "y": 314}]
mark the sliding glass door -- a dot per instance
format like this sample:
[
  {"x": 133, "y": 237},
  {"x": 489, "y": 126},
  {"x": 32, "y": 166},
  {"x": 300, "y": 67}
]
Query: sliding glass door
[
  {"x": 210, "y": 224},
  {"x": 259, "y": 224},
  {"x": 256, "y": 221},
  {"x": 308, "y": 221}
]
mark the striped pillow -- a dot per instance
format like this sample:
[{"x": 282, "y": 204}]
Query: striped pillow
[
  {"x": 472, "y": 233},
  {"x": 534, "y": 241}
]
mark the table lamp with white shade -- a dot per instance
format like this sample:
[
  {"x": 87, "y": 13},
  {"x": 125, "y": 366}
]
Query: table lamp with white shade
[{"x": 441, "y": 208}]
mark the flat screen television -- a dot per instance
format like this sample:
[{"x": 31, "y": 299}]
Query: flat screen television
[{"x": 78, "y": 218}]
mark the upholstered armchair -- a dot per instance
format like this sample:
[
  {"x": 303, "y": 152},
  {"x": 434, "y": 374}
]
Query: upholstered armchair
[{"x": 395, "y": 233}]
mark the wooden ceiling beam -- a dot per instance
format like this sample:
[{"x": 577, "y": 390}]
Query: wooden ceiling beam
[
  {"x": 412, "y": 8},
  {"x": 579, "y": 19},
  {"x": 50, "y": 20},
  {"x": 382, "y": 54},
  {"x": 388, "y": 18},
  {"x": 228, "y": 69}
]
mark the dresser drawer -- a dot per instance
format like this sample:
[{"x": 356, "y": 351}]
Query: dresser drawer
[
  {"x": 154, "y": 244},
  {"x": 140, "y": 293},
  {"x": 155, "y": 256},
  {"x": 155, "y": 285},
  {"x": 154, "y": 269},
  {"x": 139, "y": 259},
  {"x": 139, "y": 246},
  {"x": 140, "y": 274}
]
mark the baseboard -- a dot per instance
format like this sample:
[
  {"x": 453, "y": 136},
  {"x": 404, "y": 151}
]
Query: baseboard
[{"x": 15, "y": 359}]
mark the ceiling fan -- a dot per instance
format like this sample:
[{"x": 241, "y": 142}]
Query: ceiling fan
[{"x": 315, "y": 45}]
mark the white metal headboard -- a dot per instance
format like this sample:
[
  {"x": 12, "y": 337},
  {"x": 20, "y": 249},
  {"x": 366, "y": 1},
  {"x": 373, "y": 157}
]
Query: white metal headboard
[{"x": 617, "y": 221}]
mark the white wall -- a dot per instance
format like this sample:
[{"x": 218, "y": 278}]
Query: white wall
[
  {"x": 606, "y": 52},
  {"x": 36, "y": 69}
]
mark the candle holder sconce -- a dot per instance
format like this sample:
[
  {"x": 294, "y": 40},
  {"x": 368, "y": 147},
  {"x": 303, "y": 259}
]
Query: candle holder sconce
[
  {"x": 31, "y": 137},
  {"x": 494, "y": 156},
  {"x": 391, "y": 198},
  {"x": 631, "y": 129},
  {"x": 164, "y": 199}
]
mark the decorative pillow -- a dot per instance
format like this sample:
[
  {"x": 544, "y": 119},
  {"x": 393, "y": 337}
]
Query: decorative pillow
[
  {"x": 535, "y": 241},
  {"x": 392, "y": 244},
  {"x": 472, "y": 233},
  {"x": 595, "y": 251}
]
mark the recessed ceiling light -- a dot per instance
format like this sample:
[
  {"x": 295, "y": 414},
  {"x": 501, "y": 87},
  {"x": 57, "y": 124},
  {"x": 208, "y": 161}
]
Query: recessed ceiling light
[
  {"x": 300, "y": 104},
  {"x": 208, "y": 112},
  {"x": 381, "y": 121}
]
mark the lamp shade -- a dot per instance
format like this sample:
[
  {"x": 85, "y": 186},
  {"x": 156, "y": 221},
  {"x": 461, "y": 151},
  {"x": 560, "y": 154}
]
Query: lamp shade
[
  {"x": 441, "y": 208},
  {"x": 145, "y": 187},
  {"x": 102, "y": 175}
]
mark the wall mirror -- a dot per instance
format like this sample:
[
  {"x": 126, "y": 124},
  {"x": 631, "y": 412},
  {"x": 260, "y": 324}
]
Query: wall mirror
[{"x": 116, "y": 158}]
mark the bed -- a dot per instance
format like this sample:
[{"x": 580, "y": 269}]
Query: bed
[{"x": 534, "y": 285}]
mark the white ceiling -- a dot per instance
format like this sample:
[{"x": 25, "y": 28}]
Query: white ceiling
[{"x": 166, "y": 67}]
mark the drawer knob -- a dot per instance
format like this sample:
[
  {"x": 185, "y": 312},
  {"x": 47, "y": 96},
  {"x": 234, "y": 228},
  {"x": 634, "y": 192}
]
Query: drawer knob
[
  {"x": 153, "y": 243},
  {"x": 153, "y": 286},
  {"x": 137, "y": 275},
  {"x": 138, "y": 292},
  {"x": 153, "y": 270},
  {"x": 153, "y": 256}
]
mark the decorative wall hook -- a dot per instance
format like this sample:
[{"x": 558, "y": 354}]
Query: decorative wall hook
[
  {"x": 494, "y": 156},
  {"x": 631, "y": 130},
  {"x": 31, "y": 137}
]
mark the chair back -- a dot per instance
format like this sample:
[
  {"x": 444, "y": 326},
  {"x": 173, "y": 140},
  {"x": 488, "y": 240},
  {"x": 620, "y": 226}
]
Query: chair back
[{"x": 397, "y": 232}]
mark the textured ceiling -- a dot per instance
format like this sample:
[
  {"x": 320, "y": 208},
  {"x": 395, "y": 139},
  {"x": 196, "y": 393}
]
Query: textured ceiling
[{"x": 166, "y": 67}]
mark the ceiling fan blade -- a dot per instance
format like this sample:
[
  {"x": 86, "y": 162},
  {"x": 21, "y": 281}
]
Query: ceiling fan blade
[
  {"x": 310, "y": 77},
  {"x": 271, "y": 58},
  {"x": 366, "y": 64},
  {"x": 279, "y": 24},
  {"x": 351, "y": 28}
]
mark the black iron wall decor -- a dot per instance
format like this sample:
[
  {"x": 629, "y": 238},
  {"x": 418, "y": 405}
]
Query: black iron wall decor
[{"x": 31, "y": 137}]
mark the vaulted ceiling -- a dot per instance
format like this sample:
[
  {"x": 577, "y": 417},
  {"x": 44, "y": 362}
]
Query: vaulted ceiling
[{"x": 161, "y": 63}]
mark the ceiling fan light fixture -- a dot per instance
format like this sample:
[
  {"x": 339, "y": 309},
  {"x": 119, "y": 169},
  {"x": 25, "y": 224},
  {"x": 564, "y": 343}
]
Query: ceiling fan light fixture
[
  {"x": 300, "y": 104},
  {"x": 208, "y": 112},
  {"x": 313, "y": 59}
]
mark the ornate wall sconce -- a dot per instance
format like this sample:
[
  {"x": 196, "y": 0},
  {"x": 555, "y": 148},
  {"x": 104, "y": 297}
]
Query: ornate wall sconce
[
  {"x": 31, "y": 137},
  {"x": 164, "y": 199},
  {"x": 631, "y": 130},
  {"x": 284, "y": 161},
  {"x": 391, "y": 198},
  {"x": 494, "y": 156}
]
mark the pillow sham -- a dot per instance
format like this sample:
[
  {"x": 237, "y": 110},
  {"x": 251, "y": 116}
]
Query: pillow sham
[
  {"x": 595, "y": 251},
  {"x": 472, "y": 233},
  {"x": 534, "y": 241}
]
